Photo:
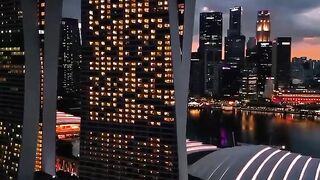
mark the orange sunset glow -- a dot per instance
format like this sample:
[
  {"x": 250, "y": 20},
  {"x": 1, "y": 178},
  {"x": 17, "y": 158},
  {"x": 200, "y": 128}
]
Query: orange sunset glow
[{"x": 308, "y": 47}]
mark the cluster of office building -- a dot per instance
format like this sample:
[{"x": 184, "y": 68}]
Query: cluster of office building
[{"x": 249, "y": 70}]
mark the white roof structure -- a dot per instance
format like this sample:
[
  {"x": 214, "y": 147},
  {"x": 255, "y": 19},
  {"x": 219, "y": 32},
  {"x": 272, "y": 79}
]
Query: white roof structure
[
  {"x": 195, "y": 147},
  {"x": 64, "y": 118},
  {"x": 255, "y": 162}
]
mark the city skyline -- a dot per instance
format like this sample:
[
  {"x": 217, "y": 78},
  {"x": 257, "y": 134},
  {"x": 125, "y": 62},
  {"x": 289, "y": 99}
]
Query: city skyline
[
  {"x": 123, "y": 96},
  {"x": 301, "y": 18}
]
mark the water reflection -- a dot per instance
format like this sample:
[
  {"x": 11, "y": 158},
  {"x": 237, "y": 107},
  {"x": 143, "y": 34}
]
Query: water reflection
[
  {"x": 297, "y": 134},
  {"x": 195, "y": 113}
]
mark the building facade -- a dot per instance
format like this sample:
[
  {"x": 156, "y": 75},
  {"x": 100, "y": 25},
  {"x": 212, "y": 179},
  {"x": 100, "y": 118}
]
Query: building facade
[
  {"x": 196, "y": 86},
  {"x": 210, "y": 35},
  {"x": 249, "y": 82},
  {"x": 234, "y": 54},
  {"x": 129, "y": 128},
  {"x": 263, "y": 30},
  {"x": 210, "y": 47},
  {"x": 23, "y": 53},
  {"x": 69, "y": 65},
  {"x": 264, "y": 64},
  {"x": 281, "y": 65},
  {"x": 235, "y": 20},
  {"x": 12, "y": 80},
  {"x": 249, "y": 72},
  {"x": 235, "y": 49},
  {"x": 235, "y": 41},
  {"x": 230, "y": 80}
]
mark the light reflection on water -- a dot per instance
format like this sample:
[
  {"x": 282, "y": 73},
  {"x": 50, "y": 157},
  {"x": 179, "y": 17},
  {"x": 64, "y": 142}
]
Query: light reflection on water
[
  {"x": 195, "y": 113},
  {"x": 297, "y": 134}
]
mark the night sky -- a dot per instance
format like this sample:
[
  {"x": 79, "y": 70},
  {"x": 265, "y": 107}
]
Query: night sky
[{"x": 299, "y": 19}]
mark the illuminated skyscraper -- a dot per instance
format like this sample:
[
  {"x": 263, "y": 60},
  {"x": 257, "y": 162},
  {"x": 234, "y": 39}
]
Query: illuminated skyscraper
[
  {"x": 130, "y": 127},
  {"x": 69, "y": 64},
  {"x": 12, "y": 77},
  {"x": 210, "y": 36},
  {"x": 264, "y": 64},
  {"x": 263, "y": 26},
  {"x": 249, "y": 71}
]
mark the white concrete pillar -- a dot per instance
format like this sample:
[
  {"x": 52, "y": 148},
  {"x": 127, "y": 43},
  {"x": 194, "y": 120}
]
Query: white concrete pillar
[{"x": 181, "y": 58}]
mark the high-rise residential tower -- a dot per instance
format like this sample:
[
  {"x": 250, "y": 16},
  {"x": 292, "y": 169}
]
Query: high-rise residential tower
[
  {"x": 135, "y": 89},
  {"x": 281, "y": 62},
  {"x": 263, "y": 26}
]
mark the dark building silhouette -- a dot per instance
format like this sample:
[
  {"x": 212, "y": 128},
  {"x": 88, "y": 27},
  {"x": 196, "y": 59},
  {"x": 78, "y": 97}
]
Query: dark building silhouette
[
  {"x": 210, "y": 47},
  {"x": 251, "y": 51},
  {"x": 235, "y": 21},
  {"x": 235, "y": 49},
  {"x": 211, "y": 73},
  {"x": 234, "y": 55},
  {"x": 229, "y": 83},
  {"x": 249, "y": 72},
  {"x": 281, "y": 62},
  {"x": 235, "y": 41},
  {"x": 69, "y": 65},
  {"x": 263, "y": 26},
  {"x": 251, "y": 43},
  {"x": 264, "y": 57},
  {"x": 304, "y": 71},
  {"x": 197, "y": 76},
  {"x": 210, "y": 36}
]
